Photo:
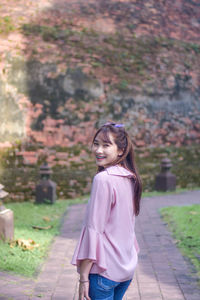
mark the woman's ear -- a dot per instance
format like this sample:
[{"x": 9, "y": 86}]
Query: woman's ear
[{"x": 120, "y": 152}]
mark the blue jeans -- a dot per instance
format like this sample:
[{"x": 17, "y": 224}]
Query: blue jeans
[{"x": 102, "y": 288}]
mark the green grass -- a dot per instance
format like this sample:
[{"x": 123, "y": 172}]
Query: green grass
[
  {"x": 177, "y": 191},
  {"x": 26, "y": 215},
  {"x": 184, "y": 222}
]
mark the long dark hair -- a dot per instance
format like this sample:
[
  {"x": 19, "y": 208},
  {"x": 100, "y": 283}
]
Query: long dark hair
[{"x": 127, "y": 159}]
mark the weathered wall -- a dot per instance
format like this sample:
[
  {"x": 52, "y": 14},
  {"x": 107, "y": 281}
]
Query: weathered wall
[
  {"x": 68, "y": 66},
  {"x": 63, "y": 110}
]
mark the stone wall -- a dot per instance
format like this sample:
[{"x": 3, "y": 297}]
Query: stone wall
[
  {"x": 64, "y": 110},
  {"x": 67, "y": 67}
]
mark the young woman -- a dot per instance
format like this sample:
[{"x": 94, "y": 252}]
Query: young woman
[{"x": 106, "y": 254}]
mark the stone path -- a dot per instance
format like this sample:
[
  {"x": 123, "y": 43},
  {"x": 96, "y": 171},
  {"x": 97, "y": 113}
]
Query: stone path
[{"x": 162, "y": 272}]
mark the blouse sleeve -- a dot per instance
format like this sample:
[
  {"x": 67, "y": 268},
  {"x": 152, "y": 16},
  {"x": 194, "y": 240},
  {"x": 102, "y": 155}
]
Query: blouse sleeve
[{"x": 91, "y": 242}]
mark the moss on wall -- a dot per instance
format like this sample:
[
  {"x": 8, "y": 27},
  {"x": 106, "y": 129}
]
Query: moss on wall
[{"x": 75, "y": 180}]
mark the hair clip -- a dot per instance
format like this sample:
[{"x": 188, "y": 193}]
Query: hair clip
[
  {"x": 119, "y": 125},
  {"x": 114, "y": 124}
]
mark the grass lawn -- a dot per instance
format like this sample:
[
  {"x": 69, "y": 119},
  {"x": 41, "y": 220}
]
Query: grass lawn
[
  {"x": 184, "y": 222},
  {"x": 26, "y": 215},
  {"x": 177, "y": 191}
]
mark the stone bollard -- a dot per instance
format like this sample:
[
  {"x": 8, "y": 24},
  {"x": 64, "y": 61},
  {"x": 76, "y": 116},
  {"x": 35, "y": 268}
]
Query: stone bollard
[
  {"x": 46, "y": 189},
  {"x": 165, "y": 180},
  {"x": 6, "y": 219}
]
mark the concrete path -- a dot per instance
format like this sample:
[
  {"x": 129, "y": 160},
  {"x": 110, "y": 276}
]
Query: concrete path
[{"x": 162, "y": 272}]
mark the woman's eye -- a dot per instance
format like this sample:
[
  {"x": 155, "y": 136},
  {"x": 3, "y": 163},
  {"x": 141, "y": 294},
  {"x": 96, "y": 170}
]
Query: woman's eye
[
  {"x": 106, "y": 145},
  {"x": 95, "y": 144}
]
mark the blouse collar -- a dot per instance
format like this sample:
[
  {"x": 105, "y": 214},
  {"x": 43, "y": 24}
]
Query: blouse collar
[{"x": 120, "y": 171}]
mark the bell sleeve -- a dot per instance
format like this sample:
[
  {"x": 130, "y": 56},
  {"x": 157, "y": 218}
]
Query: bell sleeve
[{"x": 91, "y": 241}]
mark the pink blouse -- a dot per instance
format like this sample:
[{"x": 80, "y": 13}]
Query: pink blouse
[{"x": 108, "y": 235}]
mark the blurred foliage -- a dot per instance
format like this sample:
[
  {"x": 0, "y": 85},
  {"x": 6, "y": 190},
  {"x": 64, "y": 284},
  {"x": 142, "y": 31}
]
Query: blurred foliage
[
  {"x": 185, "y": 165},
  {"x": 74, "y": 179},
  {"x": 6, "y": 25}
]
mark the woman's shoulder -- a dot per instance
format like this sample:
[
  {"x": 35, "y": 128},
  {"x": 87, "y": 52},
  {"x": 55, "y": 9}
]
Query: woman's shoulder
[
  {"x": 101, "y": 176},
  {"x": 110, "y": 173},
  {"x": 117, "y": 171}
]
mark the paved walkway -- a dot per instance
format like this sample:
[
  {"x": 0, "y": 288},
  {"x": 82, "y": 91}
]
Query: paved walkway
[{"x": 162, "y": 272}]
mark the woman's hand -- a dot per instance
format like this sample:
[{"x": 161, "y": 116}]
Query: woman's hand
[{"x": 84, "y": 291}]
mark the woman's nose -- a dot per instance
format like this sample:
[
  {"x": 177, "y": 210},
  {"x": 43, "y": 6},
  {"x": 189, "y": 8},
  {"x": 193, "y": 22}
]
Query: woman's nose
[{"x": 99, "y": 150}]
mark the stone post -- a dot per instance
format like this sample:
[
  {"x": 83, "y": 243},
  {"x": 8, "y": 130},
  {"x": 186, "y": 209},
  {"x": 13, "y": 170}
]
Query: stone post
[
  {"x": 46, "y": 188},
  {"x": 6, "y": 219},
  {"x": 165, "y": 180}
]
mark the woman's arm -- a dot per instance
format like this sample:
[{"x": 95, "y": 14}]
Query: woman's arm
[{"x": 85, "y": 267}]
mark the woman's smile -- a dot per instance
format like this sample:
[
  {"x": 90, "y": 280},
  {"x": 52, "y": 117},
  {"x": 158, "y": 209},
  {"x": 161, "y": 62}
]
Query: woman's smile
[{"x": 100, "y": 157}]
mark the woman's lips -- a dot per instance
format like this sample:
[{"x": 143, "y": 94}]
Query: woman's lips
[{"x": 98, "y": 157}]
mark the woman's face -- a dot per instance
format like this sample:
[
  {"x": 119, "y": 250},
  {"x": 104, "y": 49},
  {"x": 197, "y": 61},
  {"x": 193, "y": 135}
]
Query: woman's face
[{"x": 105, "y": 152}]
